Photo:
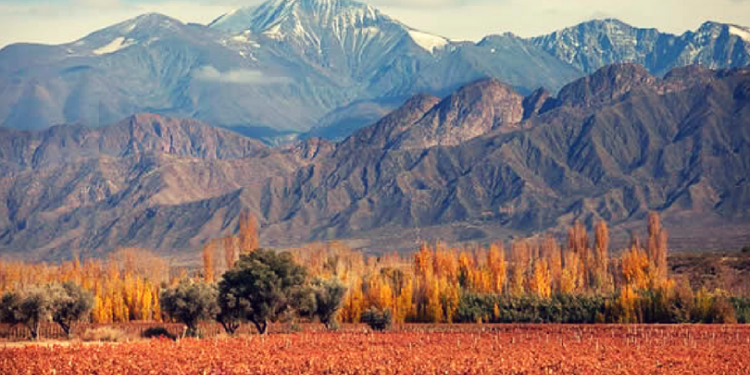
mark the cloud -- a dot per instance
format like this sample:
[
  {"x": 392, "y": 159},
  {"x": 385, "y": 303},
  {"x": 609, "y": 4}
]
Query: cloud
[{"x": 238, "y": 76}]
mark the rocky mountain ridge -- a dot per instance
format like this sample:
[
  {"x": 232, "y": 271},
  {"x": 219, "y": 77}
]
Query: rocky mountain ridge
[
  {"x": 481, "y": 164},
  {"x": 312, "y": 67},
  {"x": 595, "y": 44}
]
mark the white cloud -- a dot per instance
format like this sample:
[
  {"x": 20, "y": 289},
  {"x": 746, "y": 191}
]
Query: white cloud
[{"x": 238, "y": 76}]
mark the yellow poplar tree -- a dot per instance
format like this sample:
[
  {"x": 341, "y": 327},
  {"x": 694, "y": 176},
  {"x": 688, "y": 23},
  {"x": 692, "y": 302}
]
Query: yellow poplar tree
[{"x": 541, "y": 281}]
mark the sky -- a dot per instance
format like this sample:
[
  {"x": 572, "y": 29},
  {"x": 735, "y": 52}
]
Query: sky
[{"x": 62, "y": 21}]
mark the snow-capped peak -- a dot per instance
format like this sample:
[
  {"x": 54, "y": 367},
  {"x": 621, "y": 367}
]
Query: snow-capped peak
[
  {"x": 742, "y": 32},
  {"x": 142, "y": 30},
  {"x": 267, "y": 16},
  {"x": 429, "y": 42}
]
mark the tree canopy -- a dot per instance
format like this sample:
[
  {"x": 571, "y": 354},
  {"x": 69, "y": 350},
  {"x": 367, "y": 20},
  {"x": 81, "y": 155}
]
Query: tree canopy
[
  {"x": 190, "y": 303},
  {"x": 260, "y": 287}
]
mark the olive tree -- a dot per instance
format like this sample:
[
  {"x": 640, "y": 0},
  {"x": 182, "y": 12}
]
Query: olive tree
[
  {"x": 70, "y": 303},
  {"x": 231, "y": 314},
  {"x": 29, "y": 307},
  {"x": 189, "y": 303},
  {"x": 329, "y": 296},
  {"x": 260, "y": 288}
]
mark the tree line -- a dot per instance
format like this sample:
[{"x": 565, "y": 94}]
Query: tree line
[{"x": 527, "y": 280}]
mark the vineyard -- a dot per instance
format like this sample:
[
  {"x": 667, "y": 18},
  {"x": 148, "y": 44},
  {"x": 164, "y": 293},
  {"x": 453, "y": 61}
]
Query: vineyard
[{"x": 423, "y": 349}]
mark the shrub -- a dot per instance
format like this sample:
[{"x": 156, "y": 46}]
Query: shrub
[
  {"x": 472, "y": 308},
  {"x": 106, "y": 334},
  {"x": 378, "y": 320},
  {"x": 156, "y": 332},
  {"x": 742, "y": 309},
  {"x": 559, "y": 308},
  {"x": 722, "y": 311}
]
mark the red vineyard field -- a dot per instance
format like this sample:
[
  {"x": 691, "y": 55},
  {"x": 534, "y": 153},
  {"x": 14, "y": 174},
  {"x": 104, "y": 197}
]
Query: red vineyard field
[{"x": 435, "y": 350}]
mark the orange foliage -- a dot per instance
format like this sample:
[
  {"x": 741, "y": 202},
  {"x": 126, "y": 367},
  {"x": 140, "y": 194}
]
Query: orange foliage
[
  {"x": 424, "y": 287},
  {"x": 248, "y": 236},
  {"x": 125, "y": 287},
  {"x": 635, "y": 266}
]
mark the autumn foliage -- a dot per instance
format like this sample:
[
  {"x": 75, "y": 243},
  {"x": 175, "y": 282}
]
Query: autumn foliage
[{"x": 436, "y": 284}]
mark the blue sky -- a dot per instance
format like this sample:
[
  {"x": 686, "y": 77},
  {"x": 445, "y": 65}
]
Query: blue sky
[{"x": 60, "y": 21}]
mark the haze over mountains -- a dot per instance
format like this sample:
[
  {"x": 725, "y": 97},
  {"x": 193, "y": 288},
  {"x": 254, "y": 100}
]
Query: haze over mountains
[{"x": 322, "y": 67}]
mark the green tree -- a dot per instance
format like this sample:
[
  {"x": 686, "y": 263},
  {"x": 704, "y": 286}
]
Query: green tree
[
  {"x": 29, "y": 307},
  {"x": 329, "y": 296},
  {"x": 260, "y": 287},
  {"x": 70, "y": 304},
  {"x": 190, "y": 303},
  {"x": 230, "y": 313}
]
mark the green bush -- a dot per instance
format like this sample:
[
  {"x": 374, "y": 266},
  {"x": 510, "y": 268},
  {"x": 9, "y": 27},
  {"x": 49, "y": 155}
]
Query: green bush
[
  {"x": 378, "y": 320},
  {"x": 742, "y": 309},
  {"x": 573, "y": 309}
]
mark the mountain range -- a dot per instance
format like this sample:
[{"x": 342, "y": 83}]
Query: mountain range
[
  {"x": 484, "y": 162},
  {"x": 312, "y": 68}
]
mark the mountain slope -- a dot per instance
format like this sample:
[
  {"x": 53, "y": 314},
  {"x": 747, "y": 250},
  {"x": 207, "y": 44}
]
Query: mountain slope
[
  {"x": 592, "y": 45},
  {"x": 481, "y": 164},
  {"x": 154, "y": 64},
  {"x": 667, "y": 145},
  {"x": 142, "y": 133},
  {"x": 288, "y": 66},
  {"x": 280, "y": 67},
  {"x": 74, "y": 188}
]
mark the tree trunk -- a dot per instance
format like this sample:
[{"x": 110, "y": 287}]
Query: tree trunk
[
  {"x": 230, "y": 327},
  {"x": 192, "y": 330},
  {"x": 65, "y": 327},
  {"x": 261, "y": 326},
  {"x": 34, "y": 328}
]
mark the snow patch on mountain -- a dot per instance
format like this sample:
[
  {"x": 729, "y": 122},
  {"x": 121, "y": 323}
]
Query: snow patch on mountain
[
  {"x": 429, "y": 42},
  {"x": 117, "y": 44},
  {"x": 130, "y": 28},
  {"x": 741, "y": 32},
  {"x": 274, "y": 32},
  {"x": 246, "y": 38}
]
